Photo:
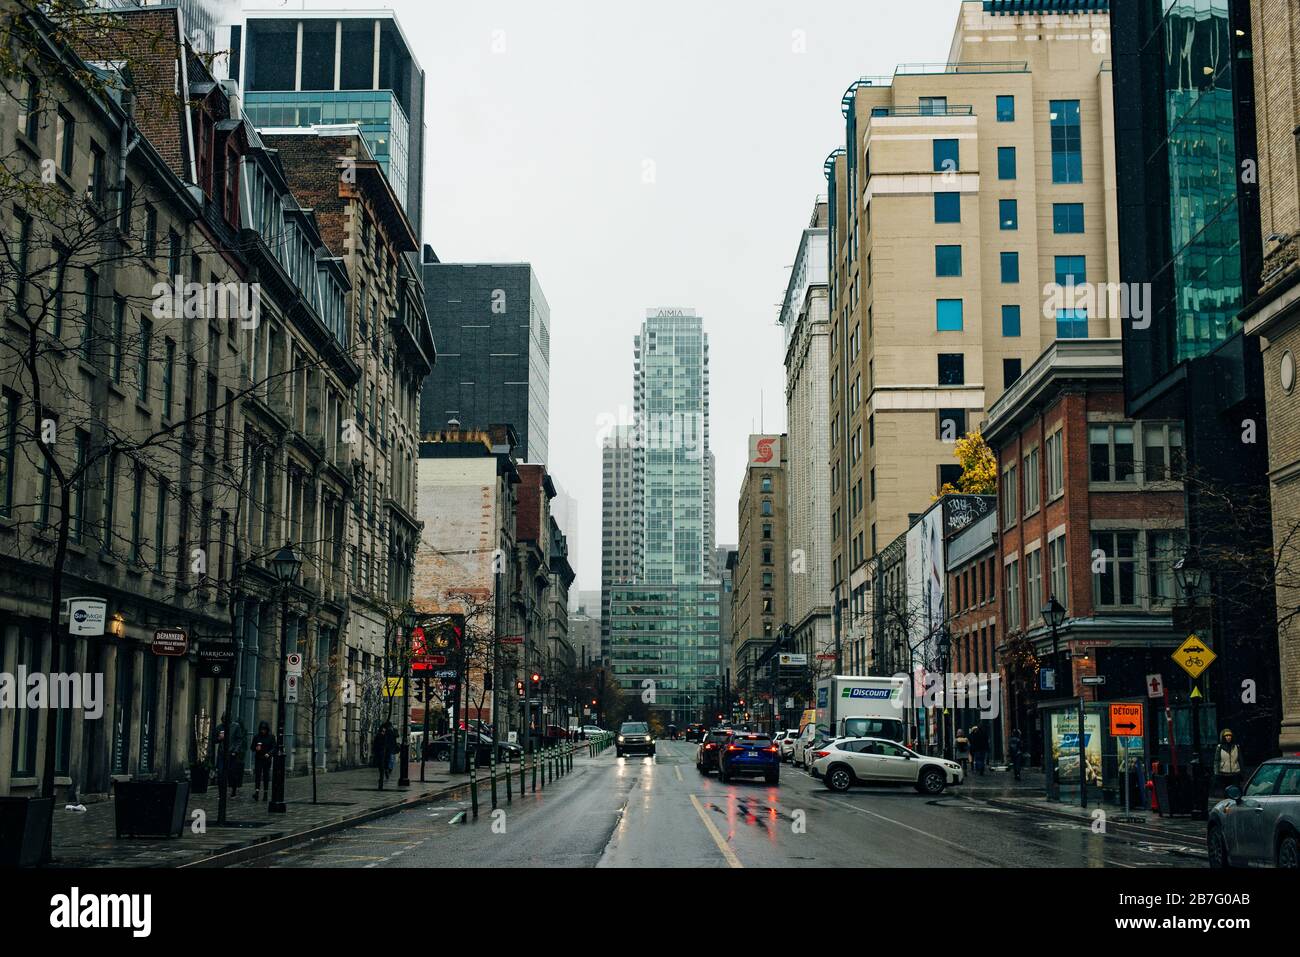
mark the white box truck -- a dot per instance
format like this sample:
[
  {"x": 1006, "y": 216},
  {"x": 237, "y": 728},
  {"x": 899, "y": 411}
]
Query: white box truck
[{"x": 861, "y": 706}]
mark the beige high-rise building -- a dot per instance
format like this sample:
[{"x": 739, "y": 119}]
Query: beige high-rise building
[
  {"x": 1275, "y": 316},
  {"x": 972, "y": 209},
  {"x": 805, "y": 319}
]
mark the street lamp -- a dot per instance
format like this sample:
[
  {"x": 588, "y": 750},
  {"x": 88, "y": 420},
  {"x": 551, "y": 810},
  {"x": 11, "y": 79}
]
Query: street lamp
[
  {"x": 1188, "y": 573},
  {"x": 1054, "y": 614},
  {"x": 285, "y": 564},
  {"x": 409, "y": 621},
  {"x": 944, "y": 648}
]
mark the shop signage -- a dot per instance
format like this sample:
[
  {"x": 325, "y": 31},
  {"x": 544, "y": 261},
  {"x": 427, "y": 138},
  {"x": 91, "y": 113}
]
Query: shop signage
[
  {"x": 171, "y": 642},
  {"x": 86, "y": 616}
]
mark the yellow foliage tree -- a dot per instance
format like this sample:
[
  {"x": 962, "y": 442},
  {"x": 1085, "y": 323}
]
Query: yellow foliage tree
[{"x": 979, "y": 467}]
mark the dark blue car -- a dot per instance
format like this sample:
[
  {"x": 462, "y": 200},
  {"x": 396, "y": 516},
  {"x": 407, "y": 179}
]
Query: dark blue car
[{"x": 748, "y": 754}]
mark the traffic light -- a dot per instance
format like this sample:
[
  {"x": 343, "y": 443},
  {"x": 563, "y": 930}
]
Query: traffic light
[
  {"x": 519, "y": 687},
  {"x": 535, "y": 679},
  {"x": 487, "y": 681}
]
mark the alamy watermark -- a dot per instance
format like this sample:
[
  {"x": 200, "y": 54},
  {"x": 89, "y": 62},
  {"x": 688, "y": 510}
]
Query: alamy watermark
[{"x": 37, "y": 690}]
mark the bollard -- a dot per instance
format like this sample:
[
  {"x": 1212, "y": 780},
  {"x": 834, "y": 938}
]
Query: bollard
[
  {"x": 494, "y": 777},
  {"x": 534, "y": 763},
  {"x": 473, "y": 781},
  {"x": 509, "y": 796}
]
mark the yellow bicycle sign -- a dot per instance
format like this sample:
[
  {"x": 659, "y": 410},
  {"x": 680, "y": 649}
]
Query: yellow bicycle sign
[{"x": 1193, "y": 656}]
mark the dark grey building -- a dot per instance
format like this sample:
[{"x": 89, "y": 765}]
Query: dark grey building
[{"x": 492, "y": 327}]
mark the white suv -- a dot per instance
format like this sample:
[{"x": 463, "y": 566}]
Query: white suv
[
  {"x": 849, "y": 761},
  {"x": 785, "y": 741}
]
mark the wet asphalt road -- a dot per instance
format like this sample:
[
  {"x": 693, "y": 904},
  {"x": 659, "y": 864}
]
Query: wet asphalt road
[{"x": 661, "y": 812}]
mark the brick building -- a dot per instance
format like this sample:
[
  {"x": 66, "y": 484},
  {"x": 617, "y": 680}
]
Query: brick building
[{"x": 1091, "y": 515}]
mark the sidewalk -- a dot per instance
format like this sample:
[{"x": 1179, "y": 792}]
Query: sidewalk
[
  {"x": 1000, "y": 789},
  {"x": 345, "y": 798}
]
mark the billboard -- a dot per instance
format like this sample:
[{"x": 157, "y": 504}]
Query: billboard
[{"x": 925, "y": 574}]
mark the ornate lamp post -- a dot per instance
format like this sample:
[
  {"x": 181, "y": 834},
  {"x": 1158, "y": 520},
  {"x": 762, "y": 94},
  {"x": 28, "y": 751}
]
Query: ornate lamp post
[
  {"x": 286, "y": 564},
  {"x": 1189, "y": 574},
  {"x": 1054, "y": 615},
  {"x": 409, "y": 621}
]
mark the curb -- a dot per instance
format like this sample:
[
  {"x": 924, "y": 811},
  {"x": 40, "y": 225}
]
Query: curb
[
  {"x": 1137, "y": 829},
  {"x": 258, "y": 849},
  {"x": 252, "y": 851}
]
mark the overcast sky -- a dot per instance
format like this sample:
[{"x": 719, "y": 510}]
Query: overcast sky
[{"x": 645, "y": 154}]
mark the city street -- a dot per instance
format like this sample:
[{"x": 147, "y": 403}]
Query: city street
[{"x": 660, "y": 812}]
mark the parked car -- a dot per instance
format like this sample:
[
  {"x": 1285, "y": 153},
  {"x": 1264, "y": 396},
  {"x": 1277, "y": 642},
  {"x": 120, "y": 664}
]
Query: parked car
[
  {"x": 1260, "y": 823},
  {"x": 592, "y": 731},
  {"x": 849, "y": 761},
  {"x": 749, "y": 755},
  {"x": 634, "y": 737},
  {"x": 785, "y": 741},
  {"x": 810, "y": 735},
  {"x": 711, "y": 744},
  {"x": 440, "y": 749}
]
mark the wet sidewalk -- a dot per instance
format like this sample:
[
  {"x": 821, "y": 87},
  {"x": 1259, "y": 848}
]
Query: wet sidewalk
[{"x": 344, "y": 799}]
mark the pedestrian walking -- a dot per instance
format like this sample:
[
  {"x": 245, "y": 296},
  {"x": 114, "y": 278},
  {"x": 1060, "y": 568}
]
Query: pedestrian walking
[
  {"x": 962, "y": 745},
  {"x": 979, "y": 747},
  {"x": 1015, "y": 751},
  {"x": 231, "y": 741},
  {"x": 263, "y": 752},
  {"x": 1227, "y": 763}
]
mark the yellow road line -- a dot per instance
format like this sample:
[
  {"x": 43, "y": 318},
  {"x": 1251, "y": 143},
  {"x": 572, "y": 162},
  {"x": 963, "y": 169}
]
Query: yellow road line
[{"x": 732, "y": 859}]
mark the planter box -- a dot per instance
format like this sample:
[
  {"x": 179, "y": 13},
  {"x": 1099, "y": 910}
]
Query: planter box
[
  {"x": 23, "y": 822},
  {"x": 150, "y": 808},
  {"x": 199, "y": 779},
  {"x": 1181, "y": 794}
]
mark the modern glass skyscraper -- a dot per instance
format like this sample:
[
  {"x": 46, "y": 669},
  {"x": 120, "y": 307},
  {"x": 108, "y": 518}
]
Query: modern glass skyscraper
[
  {"x": 662, "y": 600},
  {"x": 671, "y": 413}
]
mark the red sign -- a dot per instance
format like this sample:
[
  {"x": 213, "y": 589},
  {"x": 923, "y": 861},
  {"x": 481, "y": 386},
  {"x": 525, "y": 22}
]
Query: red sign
[
  {"x": 429, "y": 662},
  {"x": 171, "y": 642},
  {"x": 511, "y": 639}
]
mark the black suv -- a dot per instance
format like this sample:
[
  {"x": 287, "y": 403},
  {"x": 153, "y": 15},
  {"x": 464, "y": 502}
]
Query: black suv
[
  {"x": 634, "y": 737},
  {"x": 711, "y": 745}
]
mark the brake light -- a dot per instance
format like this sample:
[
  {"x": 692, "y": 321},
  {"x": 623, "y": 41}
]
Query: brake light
[
  {"x": 733, "y": 747},
  {"x": 709, "y": 747},
  {"x": 821, "y": 754},
  {"x": 773, "y": 749}
]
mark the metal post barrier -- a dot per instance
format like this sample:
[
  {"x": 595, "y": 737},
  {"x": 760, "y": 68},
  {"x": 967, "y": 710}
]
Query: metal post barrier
[
  {"x": 473, "y": 780},
  {"x": 533, "y": 755},
  {"x": 494, "y": 776},
  {"x": 509, "y": 796}
]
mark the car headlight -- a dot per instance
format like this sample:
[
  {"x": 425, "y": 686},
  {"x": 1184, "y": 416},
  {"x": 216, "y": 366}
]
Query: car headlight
[{"x": 620, "y": 739}]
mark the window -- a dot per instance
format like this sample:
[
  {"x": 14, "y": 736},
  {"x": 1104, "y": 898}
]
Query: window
[
  {"x": 952, "y": 424},
  {"x": 169, "y": 359},
  {"x": 1006, "y": 162},
  {"x": 1058, "y": 584},
  {"x": 151, "y": 232},
  {"x": 947, "y": 207},
  {"x": 767, "y": 579},
  {"x": 1033, "y": 584},
  {"x": 29, "y": 106},
  {"x": 160, "y": 525},
  {"x": 1072, "y": 323},
  {"x": 946, "y": 156},
  {"x": 77, "y": 493},
  {"x": 1054, "y": 453},
  {"x": 1117, "y": 583},
  {"x": 1010, "y": 499},
  {"x": 119, "y": 339},
  {"x": 1010, "y": 321},
  {"x": 952, "y": 368},
  {"x": 1006, "y": 109},
  {"x": 1011, "y": 572},
  {"x": 1008, "y": 214},
  {"x": 1067, "y": 142},
  {"x": 767, "y": 506},
  {"x": 142, "y": 371},
  {"x": 89, "y": 308},
  {"x": 128, "y": 207},
  {"x": 947, "y": 260},
  {"x": 96, "y": 180},
  {"x": 65, "y": 140},
  {"x": 9, "y": 405},
  {"x": 1031, "y": 480},
  {"x": 765, "y": 484},
  {"x": 173, "y": 256},
  {"x": 767, "y": 529},
  {"x": 137, "y": 513},
  {"x": 1162, "y": 452},
  {"x": 948, "y": 315},
  {"x": 872, "y": 480},
  {"x": 22, "y": 255},
  {"x": 767, "y": 556},
  {"x": 1010, "y": 372},
  {"x": 1163, "y": 549},
  {"x": 933, "y": 105},
  {"x": 1110, "y": 453},
  {"x": 1067, "y": 217},
  {"x": 948, "y": 475},
  {"x": 1071, "y": 270},
  {"x": 1010, "y": 267}
]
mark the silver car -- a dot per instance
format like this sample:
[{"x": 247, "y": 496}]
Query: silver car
[{"x": 1259, "y": 824}]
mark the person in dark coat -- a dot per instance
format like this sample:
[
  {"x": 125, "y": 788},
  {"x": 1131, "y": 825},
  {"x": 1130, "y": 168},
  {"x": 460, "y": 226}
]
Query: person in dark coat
[
  {"x": 1015, "y": 751},
  {"x": 384, "y": 745},
  {"x": 263, "y": 751},
  {"x": 230, "y": 743},
  {"x": 979, "y": 747}
]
